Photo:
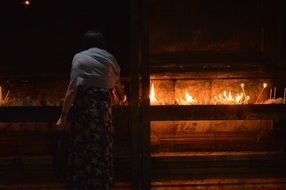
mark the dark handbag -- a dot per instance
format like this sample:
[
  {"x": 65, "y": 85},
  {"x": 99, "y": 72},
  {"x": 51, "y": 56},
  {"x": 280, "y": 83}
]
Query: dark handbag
[{"x": 60, "y": 154}]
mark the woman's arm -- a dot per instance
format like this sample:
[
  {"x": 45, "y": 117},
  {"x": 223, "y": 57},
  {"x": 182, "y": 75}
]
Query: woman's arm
[
  {"x": 68, "y": 101},
  {"x": 119, "y": 93}
]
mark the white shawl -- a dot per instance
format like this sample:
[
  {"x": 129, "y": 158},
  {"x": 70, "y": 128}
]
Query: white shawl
[{"x": 94, "y": 67}]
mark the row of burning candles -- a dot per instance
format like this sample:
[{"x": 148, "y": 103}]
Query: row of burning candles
[
  {"x": 7, "y": 100},
  {"x": 4, "y": 99},
  {"x": 224, "y": 98}
]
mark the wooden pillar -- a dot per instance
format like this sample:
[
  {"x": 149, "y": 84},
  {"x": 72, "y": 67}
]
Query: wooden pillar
[
  {"x": 145, "y": 104},
  {"x": 139, "y": 100},
  {"x": 134, "y": 96}
]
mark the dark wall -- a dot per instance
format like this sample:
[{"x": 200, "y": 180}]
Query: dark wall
[
  {"x": 274, "y": 31},
  {"x": 43, "y": 37},
  {"x": 236, "y": 28},
  {"x": 206, "y": 25}
]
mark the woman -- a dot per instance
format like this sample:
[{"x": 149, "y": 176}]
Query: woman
[{"x": 95, "y": 76}]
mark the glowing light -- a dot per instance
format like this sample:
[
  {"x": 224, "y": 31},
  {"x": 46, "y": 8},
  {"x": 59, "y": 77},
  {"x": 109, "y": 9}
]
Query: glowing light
[
  {"x": 242, "y": 87},
  {"x": 186, "y": 98},
  {"x": 189, "y": 98},
  {"x": 27, "y": 2},
  {"x": 4, "y": 99},
  {"x": 238, "y": 98},
  {"x": 258, "y": 97},
  {"x": 228, "y": 98},
  {"x": 152, "y": 95}
]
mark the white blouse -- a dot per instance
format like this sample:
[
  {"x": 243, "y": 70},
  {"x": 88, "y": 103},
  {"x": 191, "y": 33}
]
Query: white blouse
[{"x": 94, "y": 67}]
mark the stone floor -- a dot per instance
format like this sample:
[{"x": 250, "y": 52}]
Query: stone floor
[
  {"x": 204, "y": 184},
  {"x": 222, "y": 184}
]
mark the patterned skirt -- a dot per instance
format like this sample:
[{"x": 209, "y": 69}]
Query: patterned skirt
[{"x": 90, "y": 162}]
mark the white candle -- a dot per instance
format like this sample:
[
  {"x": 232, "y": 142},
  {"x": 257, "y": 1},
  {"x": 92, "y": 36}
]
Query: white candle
[
  {"x": 7, "y": 96},
  {"x": 270, "y": 94},
  {"x": 245, "y": 98},
  {"x": 264, "y": 86},
  {"x": 274, "y": 96}
]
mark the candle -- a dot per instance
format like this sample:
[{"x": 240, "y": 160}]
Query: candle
[
  {"x": 7, "y": 96},
  {"x": 245, "y": 98},
  {"x": 264, "y": 86},
  {"x": 274, "y": 95},
  {"x": 270, "y": 94}
]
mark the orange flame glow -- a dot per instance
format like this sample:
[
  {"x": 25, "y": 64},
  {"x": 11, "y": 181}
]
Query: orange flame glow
[
  {"x": 226, "y": 97},
  {"x": 4, "y": 99},
  {"x": 152, "y": 95},
  {"x": 27, "y": 2},
  {"x": 189, "y": 98}
]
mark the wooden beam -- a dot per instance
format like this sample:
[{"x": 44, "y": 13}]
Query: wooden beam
[
  {"x": 218, "y": 112},
  {"x": 29, "y": 113},
  {"x": 156, "y": 113},
  {"x": 43, "y": 113}
]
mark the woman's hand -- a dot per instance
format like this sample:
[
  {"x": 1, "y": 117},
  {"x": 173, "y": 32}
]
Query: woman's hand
[
  {"x": 61, "y": 123},
  {"x": 68, "y": 101},
  {"x": 124, "y": 99}
]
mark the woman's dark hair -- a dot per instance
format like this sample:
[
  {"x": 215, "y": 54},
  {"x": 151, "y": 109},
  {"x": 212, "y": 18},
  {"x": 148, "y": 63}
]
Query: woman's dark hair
[{"x": 94, "y": 39}]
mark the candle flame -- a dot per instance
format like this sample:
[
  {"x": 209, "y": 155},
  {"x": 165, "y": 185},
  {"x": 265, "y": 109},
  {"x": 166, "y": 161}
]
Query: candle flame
[
  {"x": 4, "y": 99},
  {"x": 27, "y": 2},
  {"x": 152, "y": 94},
  {"x": 189, "y": 98},
  {"x": 264, "y": 85},
  {"x": 228, "y": 98},
  {"x": 238, "y": 98}
]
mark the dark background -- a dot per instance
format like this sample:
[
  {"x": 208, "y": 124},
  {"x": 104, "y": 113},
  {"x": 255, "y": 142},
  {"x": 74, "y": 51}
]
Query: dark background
[
  {"x": 237, "y": 32},
  {"x": 42, "y": 38}
]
